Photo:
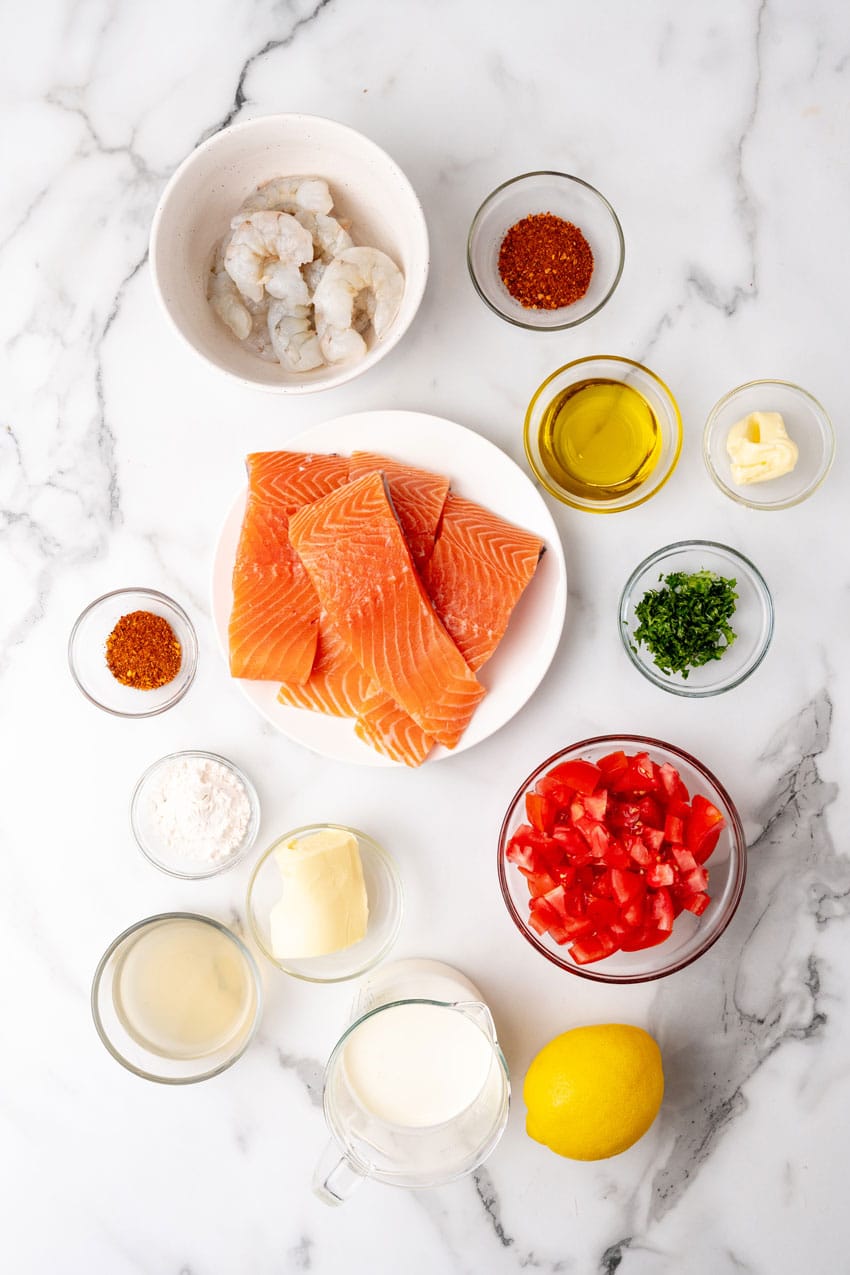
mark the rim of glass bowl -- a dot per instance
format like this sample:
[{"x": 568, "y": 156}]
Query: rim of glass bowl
[
  {"x": 544, "y": 479},
  {"x": 739, "y": 846},
  {"x": 658, "y": 679},
  {"x": 512, "y": 181},
  {"x": 386, "y": 946},
  {"x": 251, "y": 831},
  {"x": 737, "y": 496},
  {"x": 190, "y": 651},
  {"x": 140, "y": 1071}
]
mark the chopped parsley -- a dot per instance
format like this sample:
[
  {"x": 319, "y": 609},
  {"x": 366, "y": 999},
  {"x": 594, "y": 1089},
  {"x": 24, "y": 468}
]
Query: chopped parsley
[{"x": 685, "y": 623}]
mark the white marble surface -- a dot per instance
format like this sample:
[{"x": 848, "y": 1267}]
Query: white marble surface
[{"x": 720, "y": 133}]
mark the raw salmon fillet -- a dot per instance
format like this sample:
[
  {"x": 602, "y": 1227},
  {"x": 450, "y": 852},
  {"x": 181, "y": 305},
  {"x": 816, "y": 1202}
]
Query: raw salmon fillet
[
  {"x": 275, "y": 617},
  {"x": 337, "y": 683},
  {"x": 475, "y": 577},
  {"x": 354, "y": 551},
  {"x": 418, "y": 498}
]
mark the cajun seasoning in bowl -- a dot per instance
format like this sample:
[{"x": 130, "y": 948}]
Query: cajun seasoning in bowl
[
  {"x": 545, "y": 251},
  {"x": 133, "y": 652}
]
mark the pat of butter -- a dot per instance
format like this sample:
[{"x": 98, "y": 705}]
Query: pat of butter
[
  {"x": 759, "y": 448},
  {"x": 323, "y": 907}
]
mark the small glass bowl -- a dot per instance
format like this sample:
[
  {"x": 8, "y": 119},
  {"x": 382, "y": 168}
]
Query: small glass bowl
[
  {"x": 87, "y": 653},
  {"x": 138, "y": 1056},
  {"x": 609, "y": 367},
  {"x": 807, "y": 424},
  {"x": 384, "y": 894},
  {"x": 752, "y": 621},
  {"x": 165, "y": 858},
  {"x": 691, "y": 935},
  {"x": 564, "y": 196}
]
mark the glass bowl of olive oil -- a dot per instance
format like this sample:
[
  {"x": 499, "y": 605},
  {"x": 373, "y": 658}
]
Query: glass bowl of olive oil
[{"x": 603, "y": 433}]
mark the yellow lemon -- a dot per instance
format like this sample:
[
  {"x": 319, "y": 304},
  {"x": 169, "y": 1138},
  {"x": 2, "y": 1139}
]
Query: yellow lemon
[{"x": 593, "y": 1091}]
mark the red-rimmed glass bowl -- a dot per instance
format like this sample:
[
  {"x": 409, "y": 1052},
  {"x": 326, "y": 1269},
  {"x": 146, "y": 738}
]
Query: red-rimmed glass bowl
[{"x": 692, "y": 935}]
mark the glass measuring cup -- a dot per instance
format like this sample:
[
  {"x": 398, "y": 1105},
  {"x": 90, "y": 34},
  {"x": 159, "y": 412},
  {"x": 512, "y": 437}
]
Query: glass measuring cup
[{"x": 416, "y": 1091}]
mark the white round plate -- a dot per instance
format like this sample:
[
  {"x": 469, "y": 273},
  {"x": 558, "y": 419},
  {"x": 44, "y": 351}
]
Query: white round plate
[{"x": 479, "y": 471}]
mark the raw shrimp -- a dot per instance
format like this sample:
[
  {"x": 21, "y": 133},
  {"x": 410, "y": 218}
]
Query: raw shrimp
[
  {"x": 287, "y": 194},
  {"x": 225, "y": 299},
  {"x": 259, "y": 244},
  {"x": 359, "y": 285},
  {"x": 330, "y": 238},
  {"x": 293, "y": 338},
  {"x": 290, "y": 321}
]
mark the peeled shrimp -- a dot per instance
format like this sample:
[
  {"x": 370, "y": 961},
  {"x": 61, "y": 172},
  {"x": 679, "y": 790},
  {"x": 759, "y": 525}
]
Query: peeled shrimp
[
  {"x": 225, "y": 299},
  {"x": 287, "y": 194},
  {"x": 259, "y": 244},
  {"x": 290, "y": 323},
  {"x": 294, "y": 338},
  {"x": 330, "y": 238},
  {"x": 359, "y": 285}
]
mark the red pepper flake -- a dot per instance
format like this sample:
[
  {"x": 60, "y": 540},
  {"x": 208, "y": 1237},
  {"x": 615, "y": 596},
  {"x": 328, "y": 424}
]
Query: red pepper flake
[
  {"x": 545, "y": 262},
  {"x": 143, "y": 651}
]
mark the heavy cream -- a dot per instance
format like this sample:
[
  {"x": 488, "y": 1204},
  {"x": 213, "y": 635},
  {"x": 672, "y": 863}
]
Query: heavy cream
[
  {"x": 323, "y": 906},
  {"x": 759, "y": 448}
]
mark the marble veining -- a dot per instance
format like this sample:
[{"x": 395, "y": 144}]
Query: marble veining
[{"x": 720, "y": 135}]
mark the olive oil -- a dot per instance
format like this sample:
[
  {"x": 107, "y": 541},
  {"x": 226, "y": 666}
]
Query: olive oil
[{"x": 599, "y": 439}]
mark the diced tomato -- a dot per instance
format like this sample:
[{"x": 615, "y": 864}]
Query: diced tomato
[
  {"x": 593, "y": 948},
  {"x": 634, "y": 912},
  {"x": 600, "y": 839},
  {"x": 674, "y": 830},
  {"x": 626, "y": 885},
  {"x": 616, "y": 856},
  {"x": 613, "y": 763},
  {"x": 559, "y": 792},
  {"x": 704, "y": 828},
  {"x": 661, "y": 909},
  {"x": 540, "y": 883},
  {"x": 697, "y": 903},
  {"x": 685, "y": 861},
  {"x": 668, "y": 778},
  {"x": 651, "y": 813},
  {"x": 660, "y": 874},
  {"x": 612, "y": 853},
  {"x": 647, "y": 936},
  {"x": 695, "y": 881},
  {"x": 540, "y": 811},
  {"x": 582, "y": 776},
  {"x": 640, "y": 853},
  {"x": 653, "y": 838},
  {"x": 603, "y": 913},
  {"x": 596, "y": 804}
]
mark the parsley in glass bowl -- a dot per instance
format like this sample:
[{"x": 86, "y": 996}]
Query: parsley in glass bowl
[{"x": 696, "y": 618}]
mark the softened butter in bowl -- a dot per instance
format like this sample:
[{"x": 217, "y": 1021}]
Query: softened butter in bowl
[
  {"x": 325, "y": 903},
  {"x": 323, "y": 907}
]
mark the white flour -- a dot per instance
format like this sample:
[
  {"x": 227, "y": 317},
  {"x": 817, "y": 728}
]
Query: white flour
[{"x": 198, "y": 809}]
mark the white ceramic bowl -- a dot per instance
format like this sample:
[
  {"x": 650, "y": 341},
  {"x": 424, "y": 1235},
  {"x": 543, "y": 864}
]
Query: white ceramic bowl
[{"x": 210, "y": 185}]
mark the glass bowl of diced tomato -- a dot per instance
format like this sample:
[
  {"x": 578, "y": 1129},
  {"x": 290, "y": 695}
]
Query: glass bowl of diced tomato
[{"x": 622, "y": 859}]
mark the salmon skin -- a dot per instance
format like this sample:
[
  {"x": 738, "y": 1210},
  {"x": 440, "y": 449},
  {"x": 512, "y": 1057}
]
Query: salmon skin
[
  {"x": 475, "y": 576},
  {"x": 274, "y": 621},
  {"x": 353, "y": 549},
  {"x": 337, "y": 683}
]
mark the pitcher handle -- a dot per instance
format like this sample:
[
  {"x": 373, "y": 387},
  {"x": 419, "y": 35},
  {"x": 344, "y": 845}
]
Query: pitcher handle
[{"x": 335, "y": 1176}]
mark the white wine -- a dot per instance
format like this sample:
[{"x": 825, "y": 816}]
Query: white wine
[{"x": 183, "y": 989}]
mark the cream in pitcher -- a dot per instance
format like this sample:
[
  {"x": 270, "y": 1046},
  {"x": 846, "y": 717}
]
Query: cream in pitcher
[{"x": 416, "y": 1091}]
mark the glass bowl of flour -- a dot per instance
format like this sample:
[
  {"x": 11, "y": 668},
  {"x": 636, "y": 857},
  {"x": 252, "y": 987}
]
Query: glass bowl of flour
[{"x": 194, "y": 814}]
